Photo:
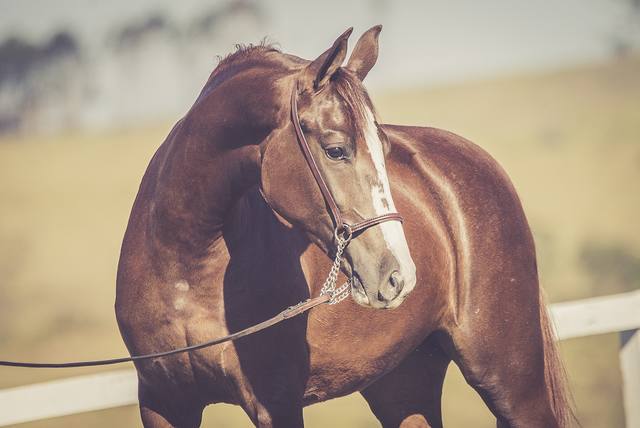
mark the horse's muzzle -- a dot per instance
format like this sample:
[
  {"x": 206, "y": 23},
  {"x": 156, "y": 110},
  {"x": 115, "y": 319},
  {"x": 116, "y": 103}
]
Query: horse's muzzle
[{"x": 388, "y": 295}]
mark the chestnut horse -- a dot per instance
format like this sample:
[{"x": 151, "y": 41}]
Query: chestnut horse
[{"x": 229, "y": 227}]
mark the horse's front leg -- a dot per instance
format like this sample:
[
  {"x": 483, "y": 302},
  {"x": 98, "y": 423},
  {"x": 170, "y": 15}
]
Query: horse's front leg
[
  {"x": 161, "y": 408},
  {"x": 270, "y": 375},
  {"x": 268, "y": 415},
  {"x": 273, "y": 398}
]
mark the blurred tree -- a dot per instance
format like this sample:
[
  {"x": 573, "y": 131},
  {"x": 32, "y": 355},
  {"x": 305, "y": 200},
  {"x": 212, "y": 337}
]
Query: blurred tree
[
  {"x": 626, "y": 36},
  {"x": 209, "y": 19},
  {"x": 25, "y": 74},
  {"x": 61, "y": 44},
  {"x": 18, "y": 58},
  {"x": 133, "y": 33}
]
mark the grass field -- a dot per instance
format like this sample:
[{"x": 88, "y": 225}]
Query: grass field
[{"x": 570, "y": 140}]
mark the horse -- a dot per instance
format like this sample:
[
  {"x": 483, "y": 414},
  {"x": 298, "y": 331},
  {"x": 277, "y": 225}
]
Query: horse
[{"x": 230, "y": 225}]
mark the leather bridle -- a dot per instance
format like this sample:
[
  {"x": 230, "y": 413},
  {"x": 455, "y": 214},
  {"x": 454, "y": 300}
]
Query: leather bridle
[{"x": 341, "y": 227}]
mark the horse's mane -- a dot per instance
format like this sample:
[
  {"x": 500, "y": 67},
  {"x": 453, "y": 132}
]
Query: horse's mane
[
  {"x": 347, "y": 84},
  {"x": 246, "y": 51},
  {"x": 244, "y": 55}
]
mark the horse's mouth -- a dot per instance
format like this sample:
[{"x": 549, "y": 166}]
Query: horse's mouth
[{"x": 358, "y": 292}]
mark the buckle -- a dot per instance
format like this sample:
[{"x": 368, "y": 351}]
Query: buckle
[{"x": 343, "y": 233}]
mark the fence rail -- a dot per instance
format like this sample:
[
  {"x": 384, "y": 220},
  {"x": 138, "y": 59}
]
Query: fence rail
[{"x": 608, "y": 314}]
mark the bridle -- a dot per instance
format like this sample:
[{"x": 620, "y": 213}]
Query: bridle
[
  {"x": 343, "y": 232},
  {"x": 342, "y": 228}
]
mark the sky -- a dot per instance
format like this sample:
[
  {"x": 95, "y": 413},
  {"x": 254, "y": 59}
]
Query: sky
[{"x": 423, "y": 42}]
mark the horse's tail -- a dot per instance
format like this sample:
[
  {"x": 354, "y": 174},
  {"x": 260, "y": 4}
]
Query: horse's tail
[{"x": 555, "y": 374}]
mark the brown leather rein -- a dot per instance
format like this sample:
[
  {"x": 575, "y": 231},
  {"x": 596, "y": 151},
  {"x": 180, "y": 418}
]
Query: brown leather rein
[{"x": 343, "y": 234}]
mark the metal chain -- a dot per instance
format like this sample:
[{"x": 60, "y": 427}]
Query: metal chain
[
  {"x": 341, "y": 293},
  {"x": 329, "y": 286}
]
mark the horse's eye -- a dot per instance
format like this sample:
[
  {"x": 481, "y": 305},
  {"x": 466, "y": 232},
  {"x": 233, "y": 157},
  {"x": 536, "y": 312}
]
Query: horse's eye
[{"x": 335, "y": 153}]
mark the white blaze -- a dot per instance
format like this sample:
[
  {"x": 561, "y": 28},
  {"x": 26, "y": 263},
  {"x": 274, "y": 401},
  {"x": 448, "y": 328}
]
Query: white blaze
[{"x": 383, "y": 204}]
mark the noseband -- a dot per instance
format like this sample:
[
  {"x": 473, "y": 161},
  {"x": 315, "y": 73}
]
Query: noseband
[{"x": 342, "y": 229}]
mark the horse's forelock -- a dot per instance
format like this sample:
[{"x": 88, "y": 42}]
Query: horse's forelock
[{"x": 353, "y": 93}]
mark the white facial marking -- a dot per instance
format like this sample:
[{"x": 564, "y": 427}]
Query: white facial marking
[{"x": 383, "y": 203}]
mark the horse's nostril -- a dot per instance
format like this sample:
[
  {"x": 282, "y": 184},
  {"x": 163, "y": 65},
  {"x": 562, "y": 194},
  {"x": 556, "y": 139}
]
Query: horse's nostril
[
  {"x": 392, "y": 288},
  {"x": 396, "y": 281}
]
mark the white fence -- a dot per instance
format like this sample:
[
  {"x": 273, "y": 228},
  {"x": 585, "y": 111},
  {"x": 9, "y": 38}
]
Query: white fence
[{"x": 616, "y": 313}]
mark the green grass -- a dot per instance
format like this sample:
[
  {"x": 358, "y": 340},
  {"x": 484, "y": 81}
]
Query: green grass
[{"x": 570, "y": 140}]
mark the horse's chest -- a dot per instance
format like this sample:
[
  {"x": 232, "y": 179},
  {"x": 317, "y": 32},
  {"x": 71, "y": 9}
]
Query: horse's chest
[{"x": 351, "y": 347}]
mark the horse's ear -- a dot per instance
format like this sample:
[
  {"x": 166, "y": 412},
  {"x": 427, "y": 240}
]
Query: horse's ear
[
  {"x": 318, "y": 73},
  {"x": 365, "y": 54}
]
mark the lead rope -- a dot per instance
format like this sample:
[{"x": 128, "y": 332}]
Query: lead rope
[{"x": 328, "y": 294}]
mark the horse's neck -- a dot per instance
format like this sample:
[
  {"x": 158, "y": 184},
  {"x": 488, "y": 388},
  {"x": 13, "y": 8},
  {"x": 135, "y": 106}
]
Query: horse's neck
[
  {"x": 264, "y": 254},
  {"x": 208, "y": 162}
]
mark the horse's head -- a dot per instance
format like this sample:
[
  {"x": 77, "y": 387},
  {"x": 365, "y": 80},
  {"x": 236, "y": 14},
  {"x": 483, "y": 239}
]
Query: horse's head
[{"x": 349, "y": 147}]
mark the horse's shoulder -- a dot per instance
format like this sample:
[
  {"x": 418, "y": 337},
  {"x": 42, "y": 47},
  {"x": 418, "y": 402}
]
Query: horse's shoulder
[
  {"x": 460, "y": 173},
  {"x": 452, "y": 155}
]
